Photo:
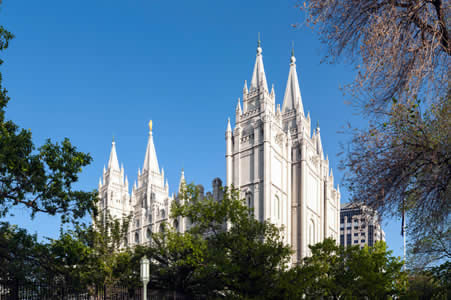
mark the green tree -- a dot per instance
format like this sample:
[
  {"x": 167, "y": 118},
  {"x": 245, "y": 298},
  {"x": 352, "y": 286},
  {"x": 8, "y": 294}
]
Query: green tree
[
  {"x": 352, "y": 273},
  {"x": 246, "y": 261},
  {"x": 39, "y": 179},
  {"x": 246, "y": 255},
  {"x": 20, "y": 254},
  {"x": 88, "y": 256}
]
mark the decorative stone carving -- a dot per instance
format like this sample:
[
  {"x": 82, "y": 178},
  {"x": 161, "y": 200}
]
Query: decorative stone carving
[{"x": 279, "y": 139}]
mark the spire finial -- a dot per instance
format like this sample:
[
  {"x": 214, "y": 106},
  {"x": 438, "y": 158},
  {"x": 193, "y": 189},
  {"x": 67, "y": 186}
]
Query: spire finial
[
  {"x": 317, "y": 123},
  {"x": 113, "y": 139},
  {"x": 150, "y": 126},
  {"x": 292, "y": 59},
  {"x": 259, "y": 49}
]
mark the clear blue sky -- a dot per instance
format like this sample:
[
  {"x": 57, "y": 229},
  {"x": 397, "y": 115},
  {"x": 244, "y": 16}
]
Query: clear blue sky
[{"x": 89, "y": 70}]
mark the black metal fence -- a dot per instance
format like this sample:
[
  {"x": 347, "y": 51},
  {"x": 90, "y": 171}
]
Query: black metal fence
[{"x": 35, "y": 291}]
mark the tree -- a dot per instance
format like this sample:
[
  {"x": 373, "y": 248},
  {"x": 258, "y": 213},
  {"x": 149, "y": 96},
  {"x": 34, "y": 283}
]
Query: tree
[
  {"x": 245, "y": 254},
  {"x": 225, "y": 253},
  {"x": 352, "y": 273},
  {"x": 39, "y": 179},
  {"x": 431, "y": 284},
  {"x": 400, "y": 163},
  {"x": 20, "y": 254},
  {"x": 401, "y": 47}
]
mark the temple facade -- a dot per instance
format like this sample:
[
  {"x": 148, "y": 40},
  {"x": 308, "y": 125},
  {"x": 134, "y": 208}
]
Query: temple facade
[
  {"x": 276, "y": 160},
  {"x": 273, "y": 156}
]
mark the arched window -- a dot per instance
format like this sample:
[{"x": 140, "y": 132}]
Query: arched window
[
  {"x": 150, "y": 217},
  {"x": 163, "y": 214},
  {"x": 125, "y": 242},
  {"x": 161, "y": 227},
  {"x": 249, "y": 200},
  {"x": 277, "y": 207},
  {"x": 148, "y": 233},
  {"x": 311, "y": 239},
  {"x": 176, "y": 225},
  {"x": 136, "y": 238}
]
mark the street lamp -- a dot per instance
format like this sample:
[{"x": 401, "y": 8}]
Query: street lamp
[{"x": 145, "y": 274}]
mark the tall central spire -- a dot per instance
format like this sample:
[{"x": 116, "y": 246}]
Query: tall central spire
[
  {"x": 259, "y": 77},
  {"x": 292, "y": 98},
  {"x": 150, "y": 160}
]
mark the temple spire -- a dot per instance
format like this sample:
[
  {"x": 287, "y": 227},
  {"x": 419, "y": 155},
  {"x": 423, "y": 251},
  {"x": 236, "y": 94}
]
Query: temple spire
[
  {"x": 238, "y": 107},
  {"x": 150, "y": 159},
  {"x": 259, "y": 77},
  {"x": 182, "y": 182},
  {"x": 292, "y": 99},
  {"x": 113, "y": 163}
]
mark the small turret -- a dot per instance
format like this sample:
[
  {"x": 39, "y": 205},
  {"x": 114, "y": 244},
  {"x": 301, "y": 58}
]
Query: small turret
[
  {"x": 182, "y": 181},
  {"x": 238, "y": 108}
]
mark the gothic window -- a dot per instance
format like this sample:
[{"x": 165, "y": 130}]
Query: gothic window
[
  {"x": 125, "y": 242},
  {"x": 161, "y": 227},
  {"x": 148, "y": 233},
  {"x": 137, "y": 223},
  {"x": 249, "y": 200},
  {"x": 150, "y": 217},
  {"x": 176, "y": 225},
  {"x": 136, "y": 238},
  {"x": 163, "y": 214},
  {"x": 311, "y": 233}
]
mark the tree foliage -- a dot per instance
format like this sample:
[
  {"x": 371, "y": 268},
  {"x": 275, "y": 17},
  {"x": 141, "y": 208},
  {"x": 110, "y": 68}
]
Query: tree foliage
[
  {"x": 20, "y": 254},
  {"x": 246, "y": 261},
  {"x": 401, "y": 47},
  {"x": 352, "y": 273}
]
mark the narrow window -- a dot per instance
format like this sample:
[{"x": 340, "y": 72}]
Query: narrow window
[
  {"x": 249, "y": 200},
  {"x": 148, "y": 233},
  {"x": 312, "y": 232}
]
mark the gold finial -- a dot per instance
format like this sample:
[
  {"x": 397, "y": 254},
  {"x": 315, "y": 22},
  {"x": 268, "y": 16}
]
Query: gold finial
[{"x": 150, "y": 125}]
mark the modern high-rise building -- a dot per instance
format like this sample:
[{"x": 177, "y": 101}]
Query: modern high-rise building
[
  {"x": 273, "y": 156},
  {"x": 359, "y": 225}
]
